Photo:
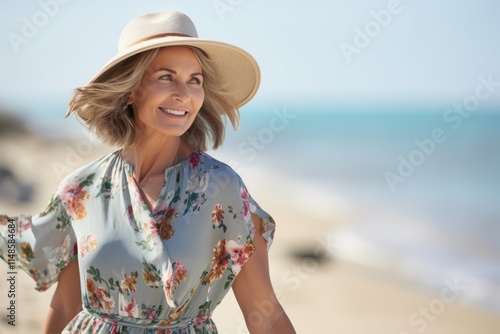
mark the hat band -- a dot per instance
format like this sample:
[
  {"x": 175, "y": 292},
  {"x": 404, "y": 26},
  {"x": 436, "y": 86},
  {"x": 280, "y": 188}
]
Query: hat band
[{"x": 173, "y": 34}]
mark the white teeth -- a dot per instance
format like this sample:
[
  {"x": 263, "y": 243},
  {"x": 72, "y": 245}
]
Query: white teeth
[{"x": 173, "y": 112}]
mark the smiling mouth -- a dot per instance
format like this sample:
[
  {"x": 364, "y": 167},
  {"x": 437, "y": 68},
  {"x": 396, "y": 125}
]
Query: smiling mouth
[{"x": 174, "y": 112}]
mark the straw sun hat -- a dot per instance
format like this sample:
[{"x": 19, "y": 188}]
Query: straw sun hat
[{"x": 236, "y": 67}]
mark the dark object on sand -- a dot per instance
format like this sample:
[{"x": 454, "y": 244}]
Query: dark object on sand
[
  {"x": 315, "y": 254},
  {"x": 11, "y": 125},
  {"x": 12, "y": 188}
]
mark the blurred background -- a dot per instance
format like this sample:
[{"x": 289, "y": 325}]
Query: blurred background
[{"x": 374, "y": 141}]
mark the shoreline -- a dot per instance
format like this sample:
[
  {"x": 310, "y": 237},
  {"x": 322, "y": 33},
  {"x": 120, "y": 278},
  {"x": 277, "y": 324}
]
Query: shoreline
[{"x": 362, "y": 237}]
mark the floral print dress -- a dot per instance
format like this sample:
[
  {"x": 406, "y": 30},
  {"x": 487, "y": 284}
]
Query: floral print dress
[{"x": 142, "y": 271}]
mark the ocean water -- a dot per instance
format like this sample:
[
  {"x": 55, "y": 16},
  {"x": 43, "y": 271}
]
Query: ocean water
[{"x": 425, "y": 182}]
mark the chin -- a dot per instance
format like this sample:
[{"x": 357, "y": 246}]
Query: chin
[{"x": 173, "y": 132}]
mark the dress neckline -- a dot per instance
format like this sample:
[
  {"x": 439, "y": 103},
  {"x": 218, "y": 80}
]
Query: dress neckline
[
  {"x": 169, "y": 171},
  {"x": 130, "y": 168}
]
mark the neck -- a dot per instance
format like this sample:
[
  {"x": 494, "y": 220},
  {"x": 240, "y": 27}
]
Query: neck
[{"x": 152, "y": 155}]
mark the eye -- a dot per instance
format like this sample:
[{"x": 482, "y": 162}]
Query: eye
[
  {"x": 166, "y": 77},
  {"x": 195, "y": 80}
]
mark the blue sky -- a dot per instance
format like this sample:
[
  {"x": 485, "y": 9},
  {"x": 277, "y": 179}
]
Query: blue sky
[{"x": 427, "y": 52}]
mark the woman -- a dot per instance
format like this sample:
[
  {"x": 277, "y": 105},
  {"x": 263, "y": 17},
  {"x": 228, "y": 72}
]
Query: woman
[{"x": 149, "y": 239}]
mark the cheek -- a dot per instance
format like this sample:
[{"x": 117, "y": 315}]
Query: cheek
[
  {"x": 137, "y": 96},
  {"x": 144, "y": 91},
  {"x": 199, "y": 98}
]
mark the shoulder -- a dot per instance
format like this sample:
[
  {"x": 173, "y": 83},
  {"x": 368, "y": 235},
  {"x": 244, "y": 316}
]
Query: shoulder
[
  {"x": 216, "y": 168},
  {"x": 221, "y": 178},
  {"x": 76, "y": 188},
  {"x": 87, "y": 173}
]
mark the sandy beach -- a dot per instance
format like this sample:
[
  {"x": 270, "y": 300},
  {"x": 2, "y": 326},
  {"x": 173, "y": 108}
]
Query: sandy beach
[{"x": 320, "y": 293}]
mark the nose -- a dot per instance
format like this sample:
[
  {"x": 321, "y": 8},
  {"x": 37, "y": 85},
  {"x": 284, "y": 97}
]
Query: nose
[{"x": 180, "y": 92}]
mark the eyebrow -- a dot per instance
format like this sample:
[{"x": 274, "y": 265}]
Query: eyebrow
[{"x": 174, "y": 72}]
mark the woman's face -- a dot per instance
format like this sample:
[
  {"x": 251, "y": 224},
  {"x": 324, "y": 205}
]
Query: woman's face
[{"x": 170, "y": 93}]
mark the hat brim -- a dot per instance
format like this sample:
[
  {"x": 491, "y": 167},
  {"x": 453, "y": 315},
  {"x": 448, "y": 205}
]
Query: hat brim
[{"x": 236, "y": 67}]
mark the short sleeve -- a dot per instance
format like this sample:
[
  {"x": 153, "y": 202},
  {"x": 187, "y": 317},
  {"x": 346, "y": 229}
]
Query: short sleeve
[
  {"x": 41, "y": 245},
  {"x": 234, "y": 216}
]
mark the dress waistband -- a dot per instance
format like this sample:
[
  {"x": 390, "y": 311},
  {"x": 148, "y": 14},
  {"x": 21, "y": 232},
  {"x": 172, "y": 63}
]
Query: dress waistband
[{"x": 146, "y": 323}]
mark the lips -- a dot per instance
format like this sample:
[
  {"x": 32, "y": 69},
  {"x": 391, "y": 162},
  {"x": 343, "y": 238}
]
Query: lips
[{"x": 174, "y": 112}]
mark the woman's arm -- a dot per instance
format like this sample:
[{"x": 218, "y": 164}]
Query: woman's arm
[
  {"x": 67, "y": 300},
  {"x": 255, "y": 295}
]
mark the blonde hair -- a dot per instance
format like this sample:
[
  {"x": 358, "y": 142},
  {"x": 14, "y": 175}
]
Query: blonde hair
[{"x": 103, "y": 104}]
